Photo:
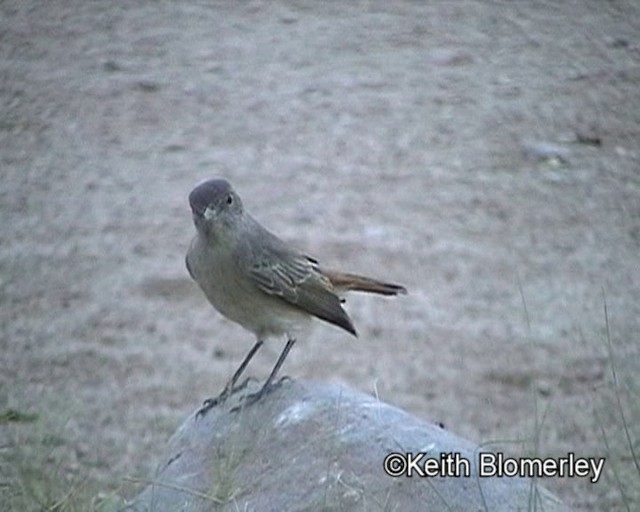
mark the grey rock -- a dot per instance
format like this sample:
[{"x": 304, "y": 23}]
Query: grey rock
[{"x": 309, "y": 446}]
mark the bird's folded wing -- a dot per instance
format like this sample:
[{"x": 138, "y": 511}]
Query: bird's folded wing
[{"x": 295, "y": 279}]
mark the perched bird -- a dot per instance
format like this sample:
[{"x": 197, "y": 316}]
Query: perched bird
[{"x": 260, "y": 282}]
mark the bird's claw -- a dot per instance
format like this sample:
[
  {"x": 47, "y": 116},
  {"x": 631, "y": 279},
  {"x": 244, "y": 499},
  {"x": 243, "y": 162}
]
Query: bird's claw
[
  {"x": 228, "y": 390},
  {"x": 252, "y": 398}
]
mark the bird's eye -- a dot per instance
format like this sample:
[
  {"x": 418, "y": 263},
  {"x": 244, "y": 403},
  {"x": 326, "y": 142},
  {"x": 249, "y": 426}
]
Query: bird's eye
[{"x": 229, "y": 199}]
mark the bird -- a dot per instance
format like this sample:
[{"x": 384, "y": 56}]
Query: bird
[{"x": 259, "y": 281}]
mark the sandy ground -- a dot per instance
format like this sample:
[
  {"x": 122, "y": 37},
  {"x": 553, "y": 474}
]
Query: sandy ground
[{"x": 399, "y": 140}]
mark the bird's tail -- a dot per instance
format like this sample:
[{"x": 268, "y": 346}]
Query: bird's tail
[{"x": 353, "y": 282}]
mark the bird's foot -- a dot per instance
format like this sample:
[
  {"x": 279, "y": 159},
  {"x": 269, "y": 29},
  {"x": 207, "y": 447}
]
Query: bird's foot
[
  {"x": 228, "y": 390},
  {"x": 252, "y": 398}
]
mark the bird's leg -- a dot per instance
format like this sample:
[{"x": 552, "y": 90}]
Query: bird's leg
[
  {"x": 230, "y": 387},
  {"x": 276, "y": 368},
  {"x": 268, "y": 383}
]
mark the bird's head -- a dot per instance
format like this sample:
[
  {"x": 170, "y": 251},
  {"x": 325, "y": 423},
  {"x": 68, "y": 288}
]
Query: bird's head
[{"x": 214, "y": 205}]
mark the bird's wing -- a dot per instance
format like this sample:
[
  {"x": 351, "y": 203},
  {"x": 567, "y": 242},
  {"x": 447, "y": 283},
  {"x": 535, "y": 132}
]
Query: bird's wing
[{"x": 295, "y": 279}]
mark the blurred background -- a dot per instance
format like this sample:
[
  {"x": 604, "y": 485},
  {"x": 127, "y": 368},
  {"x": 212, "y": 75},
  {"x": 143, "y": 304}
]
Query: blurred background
[{"x": 483, "y": 154}]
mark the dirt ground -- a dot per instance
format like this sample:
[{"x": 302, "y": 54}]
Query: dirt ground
[{"x": 484, "y": 154}]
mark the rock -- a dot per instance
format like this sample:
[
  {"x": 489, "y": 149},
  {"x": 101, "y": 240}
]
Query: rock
[{"x": 317, "y": 446}]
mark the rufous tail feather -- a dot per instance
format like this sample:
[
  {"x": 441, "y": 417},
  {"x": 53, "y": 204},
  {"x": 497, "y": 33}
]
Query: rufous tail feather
[{"x": 353, "y": 282}]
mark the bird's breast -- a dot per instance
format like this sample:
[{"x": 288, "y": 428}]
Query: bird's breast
[{"x": 229, "y": 288}]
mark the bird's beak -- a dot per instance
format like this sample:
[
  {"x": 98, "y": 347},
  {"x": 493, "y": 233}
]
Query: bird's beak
[
  {"x": 209, "y": 213},
  {"x": 198, "y": 209},
  {"x": 203, "y": 213}
]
